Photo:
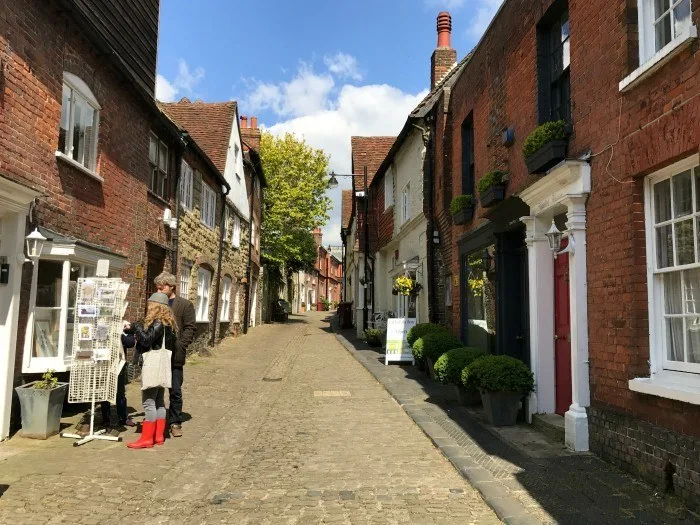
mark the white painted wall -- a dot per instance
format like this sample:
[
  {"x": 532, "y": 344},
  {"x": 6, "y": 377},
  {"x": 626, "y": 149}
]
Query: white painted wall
[{"x": 233, "y": 172}]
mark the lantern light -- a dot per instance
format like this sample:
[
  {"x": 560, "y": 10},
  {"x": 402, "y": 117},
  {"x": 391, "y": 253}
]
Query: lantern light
[{"x": 35, "y": 243}]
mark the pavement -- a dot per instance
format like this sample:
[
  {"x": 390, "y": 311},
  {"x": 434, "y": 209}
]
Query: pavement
[
  {"x": 285, "y": 426},
  {"x": 524, "y": 475}
]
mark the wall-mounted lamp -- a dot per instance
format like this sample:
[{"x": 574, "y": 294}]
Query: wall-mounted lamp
[
  {"x": 167, "y": 216},
  {"x": 554, "y": 236},
  {"x": 436, "y": 237},
  {"x": 487, "y": 262},
  {"x": 35, "y": 243}
]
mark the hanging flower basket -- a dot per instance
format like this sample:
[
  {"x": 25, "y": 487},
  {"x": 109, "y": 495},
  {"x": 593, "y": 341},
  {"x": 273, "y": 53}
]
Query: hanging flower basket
[{"x": 404, "y": 285}]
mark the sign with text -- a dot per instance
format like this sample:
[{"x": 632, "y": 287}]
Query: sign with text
[{"x": 397, "y": 348}]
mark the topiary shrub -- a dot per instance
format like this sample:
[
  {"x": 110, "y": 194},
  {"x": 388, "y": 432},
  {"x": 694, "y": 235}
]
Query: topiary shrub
[
  {"x": 373, "y": 336},
  {"x": 492, "y": 178},
  {"x": 461, "y": 202},
  {"x": 543, "y": 134},
  {"x": 498, "y": 373},
  {"x": 420, "y": 330},
  {"x": 448, "y": 368},
  {"x": 434, "y": 344}
]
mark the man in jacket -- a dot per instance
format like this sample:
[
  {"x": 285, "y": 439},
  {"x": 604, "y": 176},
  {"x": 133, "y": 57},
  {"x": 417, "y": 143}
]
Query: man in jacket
[{"x": 183, "y": 311}]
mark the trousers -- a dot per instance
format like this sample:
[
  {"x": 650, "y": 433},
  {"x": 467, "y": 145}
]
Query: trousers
[{"x": 153, "y": 403}]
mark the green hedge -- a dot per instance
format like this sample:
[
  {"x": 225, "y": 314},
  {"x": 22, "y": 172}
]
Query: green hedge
[
  {"x": 420, "y": 330},
  {"x": 543, "y": 134},
  {"x": 492, "y": 178},
  {"x": 498, "y": 373},
  {"x": 434, "y": 344},
  {"x": 461, "y": 202},
  {"x": 448, "y": 369}
]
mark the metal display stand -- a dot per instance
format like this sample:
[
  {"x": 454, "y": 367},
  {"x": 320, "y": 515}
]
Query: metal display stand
[{"x": 97, "y": 351}]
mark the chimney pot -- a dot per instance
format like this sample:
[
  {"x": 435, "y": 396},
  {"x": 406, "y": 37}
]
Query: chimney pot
[
  {"x": 254, "y": 122},
  {"x": 444, "y": 29},
  {"x": 244, "y": 121}
]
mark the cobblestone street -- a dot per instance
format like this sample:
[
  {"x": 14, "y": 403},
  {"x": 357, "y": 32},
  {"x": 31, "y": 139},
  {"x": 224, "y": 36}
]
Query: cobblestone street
[{"x": 286, "y": 427}]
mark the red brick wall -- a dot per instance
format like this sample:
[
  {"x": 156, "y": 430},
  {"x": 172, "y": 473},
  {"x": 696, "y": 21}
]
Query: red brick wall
[
  {"x": 381, "y": 223},
  {"x": 37, "y": 43}
]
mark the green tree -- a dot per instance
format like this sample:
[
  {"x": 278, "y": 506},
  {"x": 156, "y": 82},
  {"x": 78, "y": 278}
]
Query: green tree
[{"x": 295, "y": 199}]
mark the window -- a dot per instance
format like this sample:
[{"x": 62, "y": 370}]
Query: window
[
  {"x": 203, "y": 289},
  {"x": 673, "y": 226},
  {"x": 468, "y": 156},
  {"x": 553, "y": 64},
  {"x": 186, "y": 183},
  {"x": 208, "y": 206},
  {"x": 185, "y": 273},
  {"x": 237, "y": 303},
  {"x": 225, "y": 299},
  {"x": 406, "y": 203},
  {"x": 80, "y": 116},
  {"x": 227, "y": 230},
  {"x": 236, "y": 231},
  {"x": 158, "y": 161},
  {"x": 389, "y": 188},
  {"x": 448, "y": 290},
  {"x": 661, "y": 22}
]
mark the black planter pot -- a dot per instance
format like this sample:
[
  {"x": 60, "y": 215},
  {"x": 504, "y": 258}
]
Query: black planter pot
[
  {"x": 547, "y": 156},
  {"x": 374, "y": 342},
  {"x": 464, "y": 215},
  {"x": 492, "y": 196},
  {"x": 501, "y": 408}
]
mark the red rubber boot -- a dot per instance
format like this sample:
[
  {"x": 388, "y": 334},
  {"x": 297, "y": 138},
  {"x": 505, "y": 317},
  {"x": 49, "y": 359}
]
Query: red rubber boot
[
  {"x": 160, "y": 432},
  {"x": 148, "y": 429}
]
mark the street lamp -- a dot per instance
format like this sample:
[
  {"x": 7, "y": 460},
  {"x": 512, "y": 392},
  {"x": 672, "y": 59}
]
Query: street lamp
[
  {"x": 35, "y": 243},
  {"x": 555, "y": 236},
  {"x": 333, "y": 183}
]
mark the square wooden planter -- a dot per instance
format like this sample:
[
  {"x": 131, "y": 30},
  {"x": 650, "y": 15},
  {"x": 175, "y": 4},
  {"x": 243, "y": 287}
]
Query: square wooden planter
[
  {"x": 492, "y": 196},
  {"x": 547, "y": 156},
  {"x": 463, "y": 216}
]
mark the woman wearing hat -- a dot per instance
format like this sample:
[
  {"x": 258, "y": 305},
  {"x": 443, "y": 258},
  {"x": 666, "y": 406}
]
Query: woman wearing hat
[{"x": 158, "y": 328}]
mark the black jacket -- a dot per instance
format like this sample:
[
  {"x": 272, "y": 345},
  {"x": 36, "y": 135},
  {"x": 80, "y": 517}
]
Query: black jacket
[
  {"x": 152, "y": 337},
  {"x": 183, "y": 311}
]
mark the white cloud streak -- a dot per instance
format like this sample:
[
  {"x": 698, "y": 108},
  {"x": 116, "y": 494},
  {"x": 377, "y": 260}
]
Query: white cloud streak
[
  {"x": 342, "y": 65},
  {"x": 185, "y": 82}
]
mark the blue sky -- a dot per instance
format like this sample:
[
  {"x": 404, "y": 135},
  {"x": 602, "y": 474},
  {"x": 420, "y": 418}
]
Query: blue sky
[{"x": 324, "y": 70}]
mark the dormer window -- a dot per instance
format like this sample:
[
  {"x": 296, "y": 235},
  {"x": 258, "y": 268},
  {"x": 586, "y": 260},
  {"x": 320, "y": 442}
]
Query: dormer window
[{"x": 80, "y": 116}]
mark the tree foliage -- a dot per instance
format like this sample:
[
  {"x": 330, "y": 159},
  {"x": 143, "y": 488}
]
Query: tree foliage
[{"x": 295, "y": 199}]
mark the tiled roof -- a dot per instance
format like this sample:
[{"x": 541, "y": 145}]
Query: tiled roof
[
  {"x": 346, "y": 208},
  {"x": 370, "y": 152},
  {"x": 209, "y": 123}
]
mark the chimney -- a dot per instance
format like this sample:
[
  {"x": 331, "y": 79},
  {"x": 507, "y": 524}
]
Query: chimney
[
  {"x": 318, "y": 236},
  {"x": 250, "y": 134},
  {"x": 244, "y": 121},
  {"x": 254, "y": 122},
  {"x": 444, "y": 56}
]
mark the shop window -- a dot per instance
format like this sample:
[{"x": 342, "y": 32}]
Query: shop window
[
  {"x": 79, "y": 127},
  {"x": 553, "y": 63},
  {"x": 673, "y": 228},
  {"x": 203, "y": 294},
  {"x": 186, "y": 184},
  {"x": 225, "y": 299},
  {"x": 158, "y": 162}
]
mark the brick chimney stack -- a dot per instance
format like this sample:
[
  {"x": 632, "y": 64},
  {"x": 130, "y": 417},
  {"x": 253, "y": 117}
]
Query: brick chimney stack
[
  {"x": 244, "y": 122},
  {"x": 444, "y": 56},
  {"x": 250, "y": 133},
  {"x": 318, "y": 236}
]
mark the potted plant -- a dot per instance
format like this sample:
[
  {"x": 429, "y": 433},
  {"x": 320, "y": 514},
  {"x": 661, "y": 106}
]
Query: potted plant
[
  {"x": 432, "y": 345},
  {"x": 546, "y": 146},
  {"x": 502, "y": 381},
  {"x": 303, "y": 306},
  {"x": 373, "y": 336},
  {"x": 448, "y": 370},
  {"x": 492, "y": 188},
  {"x": 41, "y": 404},
  {"x": 403, "y": 285},
  {"x": 462, "y": 209}
]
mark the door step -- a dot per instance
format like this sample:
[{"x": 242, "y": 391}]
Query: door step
[{"x": 552, "y": 425}]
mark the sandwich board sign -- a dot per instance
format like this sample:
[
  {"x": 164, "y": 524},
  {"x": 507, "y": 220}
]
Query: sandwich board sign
[{"x": 397, "y": 348}]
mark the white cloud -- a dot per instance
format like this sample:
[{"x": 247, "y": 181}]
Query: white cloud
[
  {"x": 484, "y": 14},
  {"x": 306, "y": 93},
  {"x": 342, "y": 65},
  {"x": 185, "y": 82}
]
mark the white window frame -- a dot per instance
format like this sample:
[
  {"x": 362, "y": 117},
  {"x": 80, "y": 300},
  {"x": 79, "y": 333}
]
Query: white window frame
[
  {"x": 657, "y": 315},
  {"x": 236, "y": 235},
  {"x": 203, "y": 294},
  {"x": 159, "y": 172},
  {"x": 227, "y": 215},
  {"x": 237, "y": 303},
  {"x": 406, "y": 203},
  {"x": 389, "y": 188},
  {"x": 186, "y": 186},
  {"x": 185, "y": 279},
  {"x": 207, "y": 206},
  {"x": 78, "y": 88},
  {"x": 647, "y": 28},
  {"x": 225, "y": 299},
  {"x": 67, "y": 255}
]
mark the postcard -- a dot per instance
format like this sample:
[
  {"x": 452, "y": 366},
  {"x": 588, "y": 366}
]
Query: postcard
[
  {"x": 106, "y": 295},
  {"x": 87, "y": 310},
  {"x": 102, "y": 332},
  {"x": 88, "y": 290},
  {"x": 106, "y": 311},
  {"x": 84, "y": 332},
  {"x": 102, "y": 354},
  {"x": 85, "y": 353}
]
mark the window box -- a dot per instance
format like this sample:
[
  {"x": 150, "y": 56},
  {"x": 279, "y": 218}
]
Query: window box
[
  {"x": 547, "y": 156},
  {"x": 462, "y": 209},
  {"x": 492, "y": 196},
  {"x": 464, "y": 215}
]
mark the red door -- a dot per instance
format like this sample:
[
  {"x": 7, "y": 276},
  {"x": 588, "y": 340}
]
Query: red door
[{"x": 562, "y": 332}]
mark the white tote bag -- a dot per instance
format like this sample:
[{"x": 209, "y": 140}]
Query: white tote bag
[{"x": 156, "y": 370}]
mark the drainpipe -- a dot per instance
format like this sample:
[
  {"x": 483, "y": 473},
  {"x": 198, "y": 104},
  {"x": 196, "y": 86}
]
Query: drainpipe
[
  {"x": 224, "y": 192},
  {"x": 249, "y": 270},
  {"x": 175, "y": 234},
  {"x": 428, "y": 171}
]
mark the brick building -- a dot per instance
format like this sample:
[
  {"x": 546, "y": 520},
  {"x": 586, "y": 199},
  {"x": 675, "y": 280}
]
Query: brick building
[
  {"x": 608, "y": 327},
  {"x": 327, "y": 274}
]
